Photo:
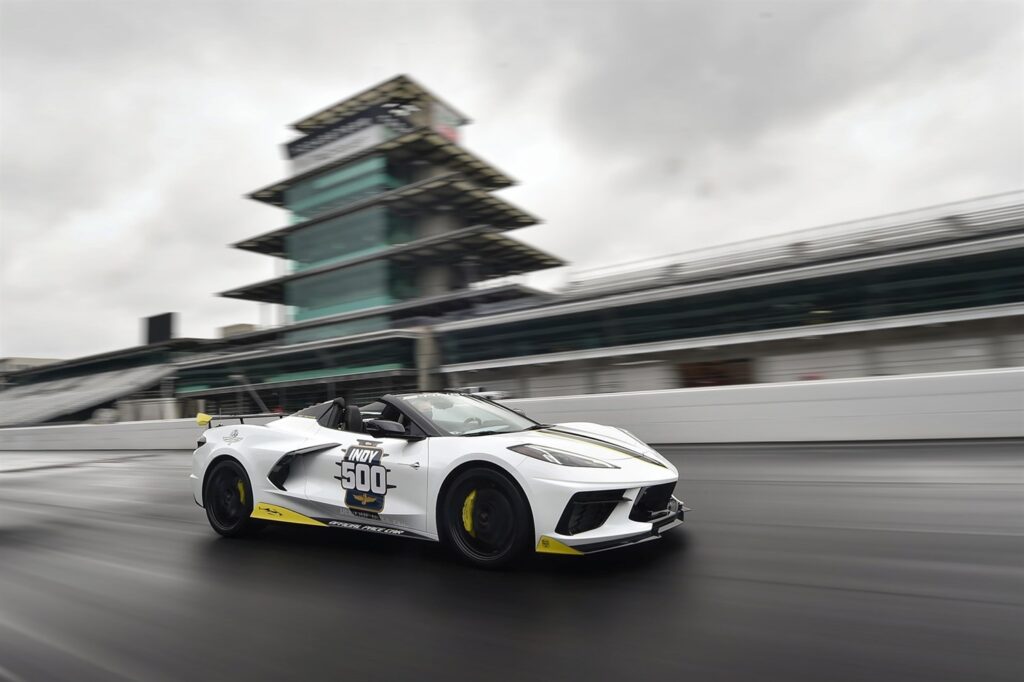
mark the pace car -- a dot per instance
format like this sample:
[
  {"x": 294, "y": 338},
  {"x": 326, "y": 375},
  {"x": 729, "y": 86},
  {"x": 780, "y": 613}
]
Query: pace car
[{"x": 456, "y": 468}]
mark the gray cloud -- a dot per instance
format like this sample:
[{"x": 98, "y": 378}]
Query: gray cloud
[
  {"x": 705, "y": 122},
  {"x": 130, "y": 131}
]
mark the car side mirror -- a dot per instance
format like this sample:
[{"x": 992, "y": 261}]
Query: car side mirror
[{"x": 385, "y": 427}]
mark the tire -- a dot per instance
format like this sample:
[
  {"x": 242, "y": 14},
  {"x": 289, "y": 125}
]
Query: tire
[
  {"x": 485, "y": 519},
  {"x": 227, "y": 497}
]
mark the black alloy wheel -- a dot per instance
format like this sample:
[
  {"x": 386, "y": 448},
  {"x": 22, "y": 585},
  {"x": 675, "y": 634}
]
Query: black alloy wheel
[
  {"x": 485, "y": 518},
  {"x": 228, "y": 499}
]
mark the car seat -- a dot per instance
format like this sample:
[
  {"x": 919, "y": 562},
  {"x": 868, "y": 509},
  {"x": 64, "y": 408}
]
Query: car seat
[{"x": 353, "y": 419}]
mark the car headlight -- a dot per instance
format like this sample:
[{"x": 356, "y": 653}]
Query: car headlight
[{"x": 555, "y": 456}]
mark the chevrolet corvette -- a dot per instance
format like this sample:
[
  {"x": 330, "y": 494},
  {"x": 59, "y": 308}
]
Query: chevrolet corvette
[{"x": 463, "y": 470}]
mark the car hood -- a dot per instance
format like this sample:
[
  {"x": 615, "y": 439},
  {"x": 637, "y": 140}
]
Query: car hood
[{"x": 605, "y": 443}]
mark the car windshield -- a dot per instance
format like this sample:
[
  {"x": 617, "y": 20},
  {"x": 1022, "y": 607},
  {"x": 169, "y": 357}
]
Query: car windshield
[{"x": 455, "y": 414}]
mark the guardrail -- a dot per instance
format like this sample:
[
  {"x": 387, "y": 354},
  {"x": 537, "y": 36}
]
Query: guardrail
[{"x": 983, "y": 404}]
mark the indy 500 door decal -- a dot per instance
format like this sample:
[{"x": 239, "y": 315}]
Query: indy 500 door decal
[{"x": 364, "y": 479}]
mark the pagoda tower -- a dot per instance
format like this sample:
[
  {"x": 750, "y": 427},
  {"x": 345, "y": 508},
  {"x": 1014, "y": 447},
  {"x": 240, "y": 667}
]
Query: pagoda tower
[{"x": 392, "y": 225}]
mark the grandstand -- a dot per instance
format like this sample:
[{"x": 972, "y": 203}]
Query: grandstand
[
  {"x": 937, "y": 289},
  {"x": 130, "y": 383},
  {"x": 943, "y": 224}
]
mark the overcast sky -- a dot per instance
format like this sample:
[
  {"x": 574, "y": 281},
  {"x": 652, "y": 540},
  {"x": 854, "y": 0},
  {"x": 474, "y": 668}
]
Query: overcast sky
[{"x": 129, "y": 131}]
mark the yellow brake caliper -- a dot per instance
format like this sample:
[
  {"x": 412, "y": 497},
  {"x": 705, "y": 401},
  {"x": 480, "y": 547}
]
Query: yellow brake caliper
[
  {"x": 241, "y": 492},
  {"x": 467, "y": 513}
]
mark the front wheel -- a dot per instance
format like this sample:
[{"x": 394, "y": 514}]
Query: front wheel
[
  {"x": 227, "y": 497},
  {"x": 485, "y": 519}
]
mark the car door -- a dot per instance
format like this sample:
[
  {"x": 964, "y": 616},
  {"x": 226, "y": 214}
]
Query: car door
[{"x": 367, "y": 477}]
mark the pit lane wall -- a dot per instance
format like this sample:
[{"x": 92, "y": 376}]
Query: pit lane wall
[
  {"x": 981, "y": 404},
  {"x": 167, "y": 434},
  {"x": 955, "y": 405}
]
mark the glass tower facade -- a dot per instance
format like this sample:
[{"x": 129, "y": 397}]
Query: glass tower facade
[{"x": 391, "y": 224}]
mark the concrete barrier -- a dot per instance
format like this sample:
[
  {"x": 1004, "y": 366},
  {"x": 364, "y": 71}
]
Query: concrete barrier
[
  {"x": 169, "y": 434},
  {"x": 983, "y": 404}
]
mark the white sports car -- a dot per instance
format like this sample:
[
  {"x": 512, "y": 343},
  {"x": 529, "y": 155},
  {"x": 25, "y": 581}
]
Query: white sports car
[{"x": 449, "y": 467}]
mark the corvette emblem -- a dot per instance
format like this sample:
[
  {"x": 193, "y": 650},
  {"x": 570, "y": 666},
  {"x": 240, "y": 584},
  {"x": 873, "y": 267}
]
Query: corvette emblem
[{"x": 233, "y": 437}]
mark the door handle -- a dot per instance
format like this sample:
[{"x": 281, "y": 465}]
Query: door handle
[{"x": 415, "y": 465}]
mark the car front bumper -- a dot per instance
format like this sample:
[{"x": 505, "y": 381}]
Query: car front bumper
[{"x": 607, "y": 537}]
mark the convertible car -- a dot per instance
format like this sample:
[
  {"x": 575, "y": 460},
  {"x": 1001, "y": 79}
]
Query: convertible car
[{"x": 464, "y": 470}]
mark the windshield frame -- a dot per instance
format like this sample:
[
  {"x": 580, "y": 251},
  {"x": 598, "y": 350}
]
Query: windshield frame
[{"x": 403, "y": 402}]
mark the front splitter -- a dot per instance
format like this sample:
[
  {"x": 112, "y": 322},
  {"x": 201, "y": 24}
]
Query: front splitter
[{"x": 549, "y": 545}]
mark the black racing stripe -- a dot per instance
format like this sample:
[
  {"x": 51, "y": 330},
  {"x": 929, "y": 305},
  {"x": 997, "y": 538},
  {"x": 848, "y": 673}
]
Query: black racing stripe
[
  {"x": 600, "y": 441},
  {"x": 593, "y": 439},
  {"x": 311, "y": 449}
]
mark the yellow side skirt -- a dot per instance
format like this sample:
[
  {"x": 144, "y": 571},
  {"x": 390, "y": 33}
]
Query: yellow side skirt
[
  {"x": 552, "y": 546},
  {"x": 271, "y": 512}
]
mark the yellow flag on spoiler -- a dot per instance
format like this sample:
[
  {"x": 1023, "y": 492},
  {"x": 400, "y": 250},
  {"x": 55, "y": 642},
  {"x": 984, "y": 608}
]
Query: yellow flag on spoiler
[{"x": 203, "y": 419}]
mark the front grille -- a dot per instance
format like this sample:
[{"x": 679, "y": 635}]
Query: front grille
[
  {"x": 652, "y": 501},
  {"x": 587, "y": 511}
]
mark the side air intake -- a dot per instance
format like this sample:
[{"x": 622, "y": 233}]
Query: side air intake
[{"x": 283, "y": 467}]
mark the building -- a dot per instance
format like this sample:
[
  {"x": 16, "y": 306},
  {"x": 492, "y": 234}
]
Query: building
[
  {"x": 937, "y": 289},
  {"x": 399, "y": 270},
  {"x": 11, "y": 365},
  {"x": 8, "y": 365},
  {"x": 392, "y": 224},
  {"x": 137, "y": 382}
]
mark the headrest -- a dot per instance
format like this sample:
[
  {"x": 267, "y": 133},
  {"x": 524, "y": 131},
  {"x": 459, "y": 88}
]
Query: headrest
[{"x": 353, "y": 419}]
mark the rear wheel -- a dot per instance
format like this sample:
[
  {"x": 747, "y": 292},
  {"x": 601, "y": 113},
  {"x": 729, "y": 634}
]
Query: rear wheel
[
  {"x": 485, "y": 519},
  {"x": 227, "y": 497}
]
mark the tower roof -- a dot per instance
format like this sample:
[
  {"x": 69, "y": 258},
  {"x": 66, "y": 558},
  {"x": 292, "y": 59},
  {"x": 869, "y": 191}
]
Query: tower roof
[{"x": 399, "y": 88}]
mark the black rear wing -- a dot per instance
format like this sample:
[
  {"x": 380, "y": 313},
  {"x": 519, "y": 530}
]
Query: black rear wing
[{"x": 204, "y": 419}]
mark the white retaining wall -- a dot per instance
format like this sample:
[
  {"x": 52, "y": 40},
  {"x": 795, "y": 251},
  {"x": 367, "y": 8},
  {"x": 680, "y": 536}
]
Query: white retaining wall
[
  {"x": 984, "y": 404},
  {"x": 169, "y": 434}
]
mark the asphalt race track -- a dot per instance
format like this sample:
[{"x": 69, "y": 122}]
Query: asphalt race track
[{"x": 893, "y": 562}]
